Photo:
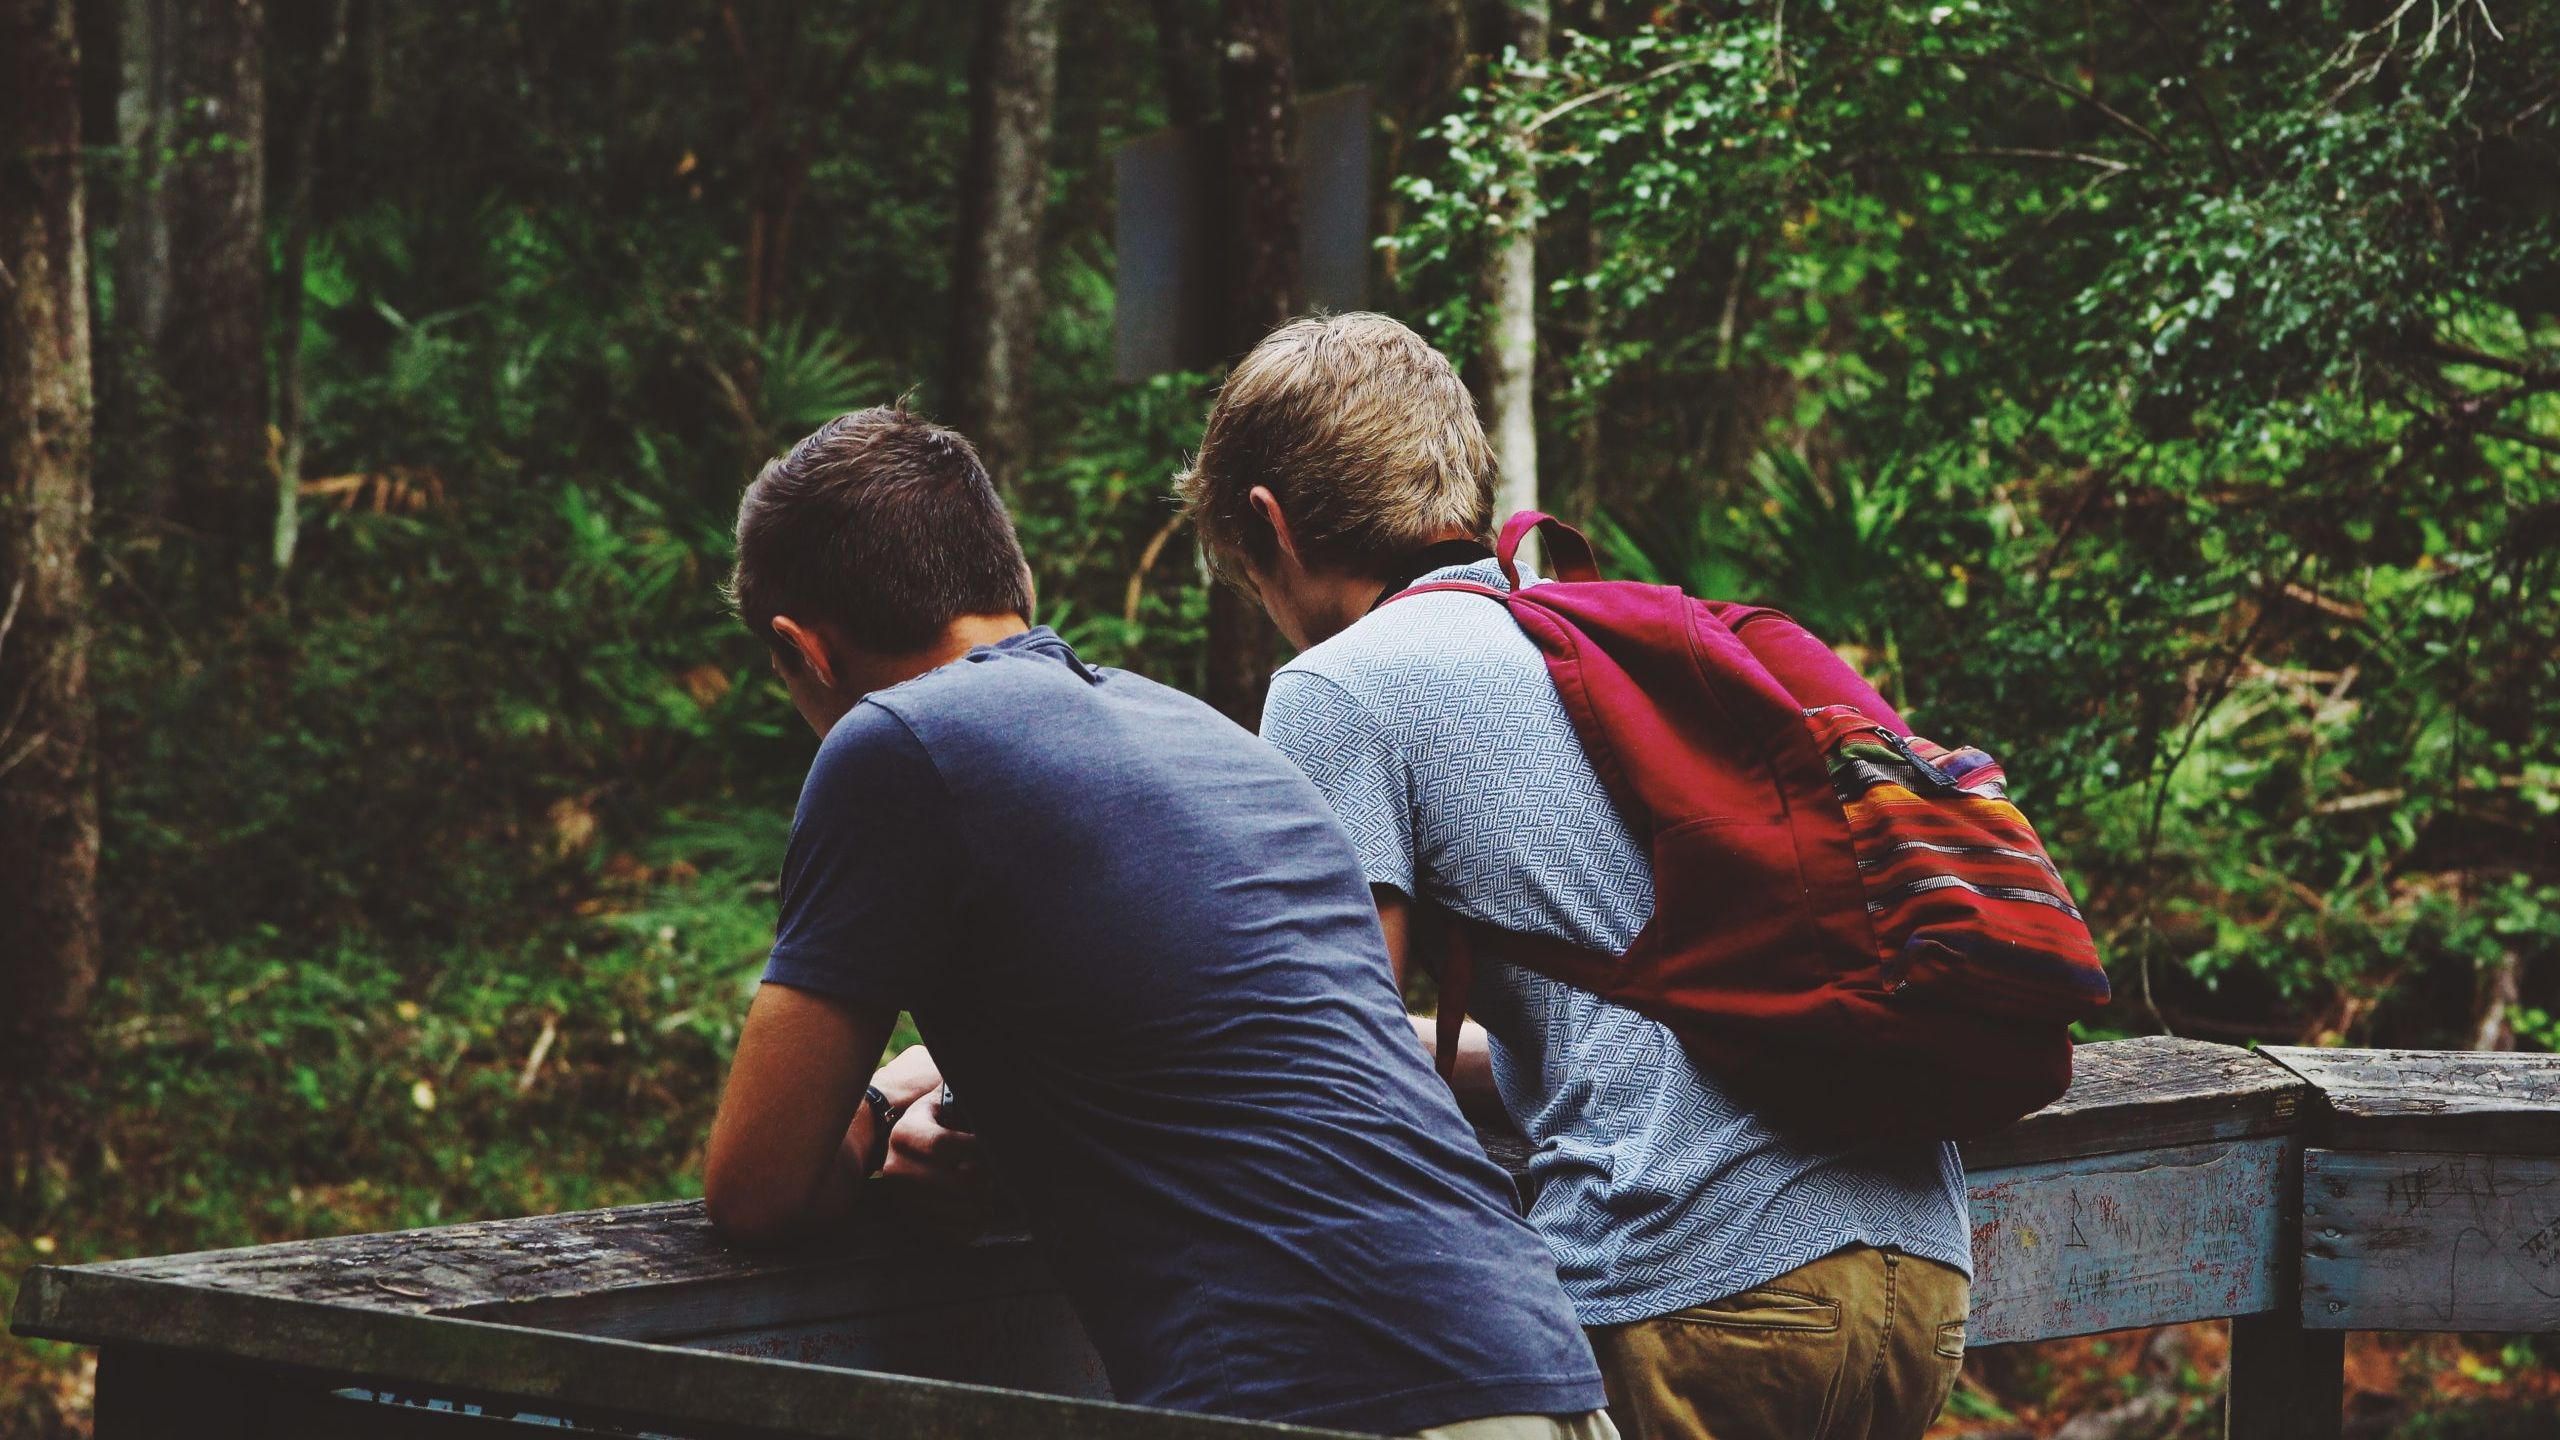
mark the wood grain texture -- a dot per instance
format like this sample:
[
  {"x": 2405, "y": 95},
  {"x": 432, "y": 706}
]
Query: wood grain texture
[
  {"x": 2147, "y": 1094},
  {"x": 2454, "y": 1101},
  {"x": 663, "y": 1388},
  {"x": 2423, "y": 1241},
  {"x": 1025, "y": 1342},
  {"x": 636, "y": 1272},
  {"x": 2104, "y": 1243}
]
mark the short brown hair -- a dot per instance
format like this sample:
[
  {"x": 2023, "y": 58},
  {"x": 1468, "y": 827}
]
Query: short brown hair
[
  {"x": 1363, "y": 431},
  {"x": 884, "y": 524}
]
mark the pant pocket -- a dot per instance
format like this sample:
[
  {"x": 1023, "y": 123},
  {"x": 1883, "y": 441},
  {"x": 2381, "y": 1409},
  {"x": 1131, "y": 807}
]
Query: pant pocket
[
  {"x": 1764, "y": 1309},
  {"x": 1764, "y": 1363},
  {"x": 1951, "y": 1341}
]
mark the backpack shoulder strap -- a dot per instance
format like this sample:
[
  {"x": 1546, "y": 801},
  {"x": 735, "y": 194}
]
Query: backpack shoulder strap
[{"x": 1568, "y": 553}]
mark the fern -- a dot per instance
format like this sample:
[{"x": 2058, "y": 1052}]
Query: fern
[{"x": 810, "y": 376}]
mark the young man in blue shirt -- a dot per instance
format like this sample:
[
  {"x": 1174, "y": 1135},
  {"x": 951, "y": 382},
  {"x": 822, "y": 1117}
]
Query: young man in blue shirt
[
  {"x": 1139, "y": 944},
  {"x": 1737, "y": 1285}
]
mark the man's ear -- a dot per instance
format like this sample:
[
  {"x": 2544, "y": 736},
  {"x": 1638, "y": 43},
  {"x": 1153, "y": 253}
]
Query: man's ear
[
  {"x": 804, "y": 643},
  {"x": 1267, "y": 505}
]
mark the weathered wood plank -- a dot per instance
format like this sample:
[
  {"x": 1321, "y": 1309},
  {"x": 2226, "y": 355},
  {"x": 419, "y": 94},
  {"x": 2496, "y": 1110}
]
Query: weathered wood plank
[
  {"x": 2103, "y": 1243},
  {"x": 553, "y": 1257},
  {"x": 1029, "y": 1342},
  {"x": 983, "y": 1310},
  {"x": 2422, "y": 1241},
  {"x": 163, "y": 1395},
  {"x": 2454, "y": 1101},
  {"x": 666, "y": 1388},
  {"x": 988, "y": 1272},
  {"x": 640, "y": 1272},
  {"x": 2146, "y": 1094},
  {"x": 2287, "y": 1383}
]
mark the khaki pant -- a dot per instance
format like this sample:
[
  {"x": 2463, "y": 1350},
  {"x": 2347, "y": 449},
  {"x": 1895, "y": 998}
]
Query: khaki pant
[{"x": 1863, "y": 1344}]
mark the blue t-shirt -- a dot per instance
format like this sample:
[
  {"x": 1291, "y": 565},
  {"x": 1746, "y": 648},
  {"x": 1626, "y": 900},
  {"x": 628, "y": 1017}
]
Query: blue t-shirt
[{"x": 1146, "y": 959}]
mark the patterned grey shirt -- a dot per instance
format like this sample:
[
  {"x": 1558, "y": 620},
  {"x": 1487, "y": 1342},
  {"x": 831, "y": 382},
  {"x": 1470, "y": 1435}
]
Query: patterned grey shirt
[{"x": 1432, "y": 727}]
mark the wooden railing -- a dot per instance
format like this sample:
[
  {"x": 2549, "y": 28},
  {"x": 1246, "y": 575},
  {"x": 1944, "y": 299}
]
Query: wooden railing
[{"x": 2301, "y": 1193}]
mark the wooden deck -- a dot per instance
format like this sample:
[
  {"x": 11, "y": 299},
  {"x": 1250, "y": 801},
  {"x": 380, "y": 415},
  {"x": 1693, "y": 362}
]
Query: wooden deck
[{"x": 2301, "y": 1193}]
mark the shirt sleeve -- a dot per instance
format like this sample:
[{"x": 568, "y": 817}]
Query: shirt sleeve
[
  {"x": 1339, "y": 744},
  {"x": 874, "y": 862}
]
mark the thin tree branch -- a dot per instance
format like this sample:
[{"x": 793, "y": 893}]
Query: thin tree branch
[
  {"x": 2532, "y": 110},
  {"x": 2203, "y": 713},
  {"x": 2085, "y": 97},
  {"x": 2015, "y": 152},
  {"x": 34, "y": 743},
  {"x": 2543, "y": 443},
  {"x": 9, "y": 617},
  {"x": 2459, "y": 354},
  {"x": 2222, "y": 152},
  {"x": 1607, "y": 91}
]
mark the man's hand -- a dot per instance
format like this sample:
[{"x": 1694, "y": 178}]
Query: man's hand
[
  {"x": 910, "y": 1078},
  {"x": 922, "y": 1150}
]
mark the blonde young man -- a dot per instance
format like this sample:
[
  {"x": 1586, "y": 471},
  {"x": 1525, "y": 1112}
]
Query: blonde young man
[{"x": 1733, "y": 1284}]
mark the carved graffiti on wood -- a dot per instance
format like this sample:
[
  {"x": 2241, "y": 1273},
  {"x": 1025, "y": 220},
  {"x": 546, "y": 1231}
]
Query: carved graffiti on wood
[
  {"x": 2140, "y": 1239},
  {"x": 2403, "y": 1241}
]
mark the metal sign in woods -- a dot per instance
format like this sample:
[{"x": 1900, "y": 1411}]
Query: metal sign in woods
[
  {"x": 2302, "y": 1193},
  {"x": 1170, "y": 239}
]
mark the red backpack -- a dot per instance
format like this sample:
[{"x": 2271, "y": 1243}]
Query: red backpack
[{"x": 1853, "y": 929}]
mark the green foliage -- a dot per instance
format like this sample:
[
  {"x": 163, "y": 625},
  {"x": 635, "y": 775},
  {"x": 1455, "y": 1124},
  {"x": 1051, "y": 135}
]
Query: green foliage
[
  {"x": 1116, "y": 576},
  {"x": 810, "y": 377},
  {"x": 2165, "y": 399}
]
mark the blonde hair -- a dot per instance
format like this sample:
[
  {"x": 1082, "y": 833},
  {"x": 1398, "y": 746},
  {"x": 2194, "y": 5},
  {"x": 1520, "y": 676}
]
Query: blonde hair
[{"x": 1363, "y": 431}]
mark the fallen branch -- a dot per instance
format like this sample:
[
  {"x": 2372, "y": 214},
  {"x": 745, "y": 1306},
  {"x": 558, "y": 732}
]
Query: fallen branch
[
  {"x": 541, "y": 1051},
  {"x": 1147, "y": 562}
]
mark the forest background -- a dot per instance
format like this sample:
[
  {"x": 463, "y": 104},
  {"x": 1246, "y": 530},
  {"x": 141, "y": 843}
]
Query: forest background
[{"x": 2165, "y": 395}]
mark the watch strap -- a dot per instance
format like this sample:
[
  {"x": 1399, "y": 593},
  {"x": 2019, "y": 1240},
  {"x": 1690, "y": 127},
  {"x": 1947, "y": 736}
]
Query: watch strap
[{"x": 887, "y": 1114}]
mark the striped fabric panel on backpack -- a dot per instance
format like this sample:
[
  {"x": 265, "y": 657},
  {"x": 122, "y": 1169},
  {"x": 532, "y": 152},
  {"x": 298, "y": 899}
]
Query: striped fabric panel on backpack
[{"x": 1967, "y": 906}]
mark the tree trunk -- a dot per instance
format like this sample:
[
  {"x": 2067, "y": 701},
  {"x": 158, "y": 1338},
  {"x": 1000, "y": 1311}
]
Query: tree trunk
[
  {"x": 1260, "y": 118},
  {"x": 48, "y": 797},
  {"x": 2493, "y": 1013},
  {"x": 130, "y": 475},
  {"x": 297, "y": 251},
  {"x": 1013, "y": 91},
  {"x": 142, "y": 234},
  {"x": 1511, "y": 301},
  {"x": 212, "y": 355},
  {"x": 1175, "y": 66},
  {"x": 1433, "y": 68},
  {"x": 1258, "y": 92}
]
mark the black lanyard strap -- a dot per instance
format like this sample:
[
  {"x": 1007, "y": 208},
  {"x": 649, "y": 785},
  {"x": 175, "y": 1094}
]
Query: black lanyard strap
[{"x": 1439, "y": 555}]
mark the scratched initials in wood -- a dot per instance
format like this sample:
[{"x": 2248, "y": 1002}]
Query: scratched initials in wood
[
  {"x": 2394, "y": 1241},
  {"x": 2076, "y": 1247}
]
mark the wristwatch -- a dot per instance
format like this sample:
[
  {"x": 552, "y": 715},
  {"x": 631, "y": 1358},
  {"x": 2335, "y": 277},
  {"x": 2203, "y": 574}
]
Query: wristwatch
[{"x": 878, "y": 1104}]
